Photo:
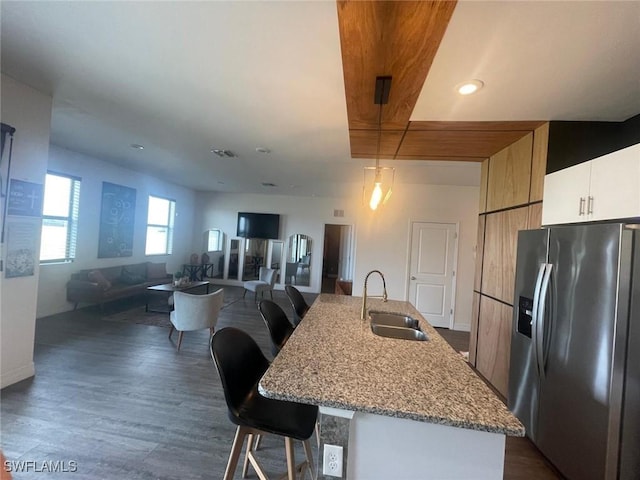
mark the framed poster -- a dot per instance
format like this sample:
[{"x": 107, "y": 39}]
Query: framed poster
[
  {"x": 25, "y": 198},
  {"x": 117, "y": 221},
  {"x": 21, "y": 249}
]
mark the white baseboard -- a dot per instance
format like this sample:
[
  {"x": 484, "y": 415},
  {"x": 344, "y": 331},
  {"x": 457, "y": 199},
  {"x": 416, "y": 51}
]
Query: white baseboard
[{"x": 16, "y": 375}]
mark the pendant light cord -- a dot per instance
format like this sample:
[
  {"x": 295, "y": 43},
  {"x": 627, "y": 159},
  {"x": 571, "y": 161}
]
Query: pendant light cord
[{"x": 379, "y": 139}]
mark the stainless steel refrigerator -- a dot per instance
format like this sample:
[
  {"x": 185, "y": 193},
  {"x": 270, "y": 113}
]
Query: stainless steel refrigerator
[{"x": 574, "y": 376}]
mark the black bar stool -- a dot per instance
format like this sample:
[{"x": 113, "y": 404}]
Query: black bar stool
[
  {"x": 300, "y": 307},
  {"x": 241, "y": 364},
  {"x": 280, "y": 328}
]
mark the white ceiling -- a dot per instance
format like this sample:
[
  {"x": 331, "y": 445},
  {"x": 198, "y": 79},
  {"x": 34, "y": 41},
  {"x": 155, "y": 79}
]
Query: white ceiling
[
  {"x": 539, "y": 60},
  {"x": 182, "y": 78}
]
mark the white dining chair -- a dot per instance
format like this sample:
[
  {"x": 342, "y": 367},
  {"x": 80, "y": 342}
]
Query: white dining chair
[
  {"x": 195, "y": 312},
  {"x": 266, "y": 281}
]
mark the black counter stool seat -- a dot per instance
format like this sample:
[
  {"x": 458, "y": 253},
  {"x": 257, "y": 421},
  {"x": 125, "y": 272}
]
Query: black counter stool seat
[
  {"x": 300, "y": 307},
  {"x": 241, "y": 364},
  {"x": 280, "y": 328}
]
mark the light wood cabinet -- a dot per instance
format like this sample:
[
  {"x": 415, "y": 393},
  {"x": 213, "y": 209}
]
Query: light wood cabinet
[
  {"x": 484, "y": 179},
  {"x": 479, "y": 253},
  {"x": 535, "y": 216},
  {"x": 499, "y": 261},
  {"x": 605, "y": 188},
  {"x": 510, "y": 175},
  {"x": 494, "y": 343},
  {"x": 514, "y": 177},
  {"x": 539, "y": 162},
  {"x": 473, "y": 337}
]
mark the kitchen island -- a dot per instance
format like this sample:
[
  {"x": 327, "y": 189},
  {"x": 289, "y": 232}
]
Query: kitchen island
[{"x": 399, "y": 408}]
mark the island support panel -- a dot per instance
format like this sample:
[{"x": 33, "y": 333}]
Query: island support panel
[
  {"x": 381, "y": 447},
  {"x": 334, "y": 430}
]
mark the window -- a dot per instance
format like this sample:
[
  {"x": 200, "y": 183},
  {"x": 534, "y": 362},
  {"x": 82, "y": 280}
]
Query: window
[
  {"x": 160, "y": 226},
  {"x": 59, "y": 218}
]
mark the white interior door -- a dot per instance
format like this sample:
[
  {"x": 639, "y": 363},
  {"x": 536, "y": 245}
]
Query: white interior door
[
  {"x": 432, "y": 271},
  {"x": 344, "y": 261}
]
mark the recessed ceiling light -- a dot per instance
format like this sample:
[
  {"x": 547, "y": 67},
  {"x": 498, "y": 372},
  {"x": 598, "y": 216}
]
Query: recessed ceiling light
[
  {"x": 137, "y": 146},
  {"x": 262, "y": 150},
  {"x": 469, "y": 87}
]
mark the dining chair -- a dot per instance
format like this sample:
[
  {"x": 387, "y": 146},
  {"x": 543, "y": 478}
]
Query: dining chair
[
  {"x": 266, "y": 281},
  {"x": 195, "y": 312}
]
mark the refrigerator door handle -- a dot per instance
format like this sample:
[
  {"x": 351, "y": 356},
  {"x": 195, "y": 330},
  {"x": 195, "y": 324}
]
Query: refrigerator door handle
[
  {"x": 544, "y": 290},
  {"x": 534, "y": 314}
]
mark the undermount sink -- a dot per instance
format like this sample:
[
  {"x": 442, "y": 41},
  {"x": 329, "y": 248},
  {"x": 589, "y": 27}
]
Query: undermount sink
[
  {"x": 396, "y": 325},
  {"x": 403, "y": 333},
  {"x": 393, "y": 319}
]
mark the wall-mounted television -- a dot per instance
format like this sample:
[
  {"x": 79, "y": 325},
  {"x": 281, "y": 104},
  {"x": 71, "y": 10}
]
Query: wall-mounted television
[{"x": 258, "y": 225}]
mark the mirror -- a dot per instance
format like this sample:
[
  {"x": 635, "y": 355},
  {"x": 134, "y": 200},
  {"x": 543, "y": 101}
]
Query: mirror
[
  {"x": 255, "y": 256},
  {"x": 276, "y": 247},
  {"x": 213, "y": 240},
  {"x": 298, "y": 265},
  {"x": 213, "y": 246},
  {"x": 234, "y": 251}
]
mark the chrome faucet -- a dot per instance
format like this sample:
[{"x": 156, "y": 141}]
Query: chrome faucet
[{"x": 363, "y": 314}]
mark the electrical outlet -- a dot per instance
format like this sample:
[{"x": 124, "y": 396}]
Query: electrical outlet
[{"x": 332, "y": 461}]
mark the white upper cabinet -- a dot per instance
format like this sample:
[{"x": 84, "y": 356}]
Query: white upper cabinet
[
  {"x": 565, "y": 195},
  {"x": 615, "y": 185},
  {"x": 604, "y": 188}
]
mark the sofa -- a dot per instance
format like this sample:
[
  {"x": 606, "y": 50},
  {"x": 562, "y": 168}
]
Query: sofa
[{"x": 100, "y": 285}]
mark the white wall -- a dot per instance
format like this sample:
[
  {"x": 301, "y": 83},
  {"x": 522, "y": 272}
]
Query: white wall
[
  {"x": 381, "y": 237},
  {"x": 306, "y": 215},
  {"x": 53, "y": 277},
  {"x": 29, "y": 111}
]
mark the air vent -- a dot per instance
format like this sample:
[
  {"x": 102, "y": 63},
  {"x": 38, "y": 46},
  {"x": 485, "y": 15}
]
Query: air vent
[
  {"x": 268, "y": 184},
  {"x": 338, "y": 213},
  {"x": 223, "y": 153}
]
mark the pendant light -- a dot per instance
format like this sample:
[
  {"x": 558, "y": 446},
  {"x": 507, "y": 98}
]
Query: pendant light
[{"x": 383, "y": 177}]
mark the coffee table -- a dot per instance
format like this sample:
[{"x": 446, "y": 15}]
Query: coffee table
[{"x": 169, "y": 288}]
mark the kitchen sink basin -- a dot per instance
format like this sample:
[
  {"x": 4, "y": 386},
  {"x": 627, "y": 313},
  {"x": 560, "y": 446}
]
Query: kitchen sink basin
[
  {"x": 393, "y": 319},
  {"x": 403, "y": 333}
]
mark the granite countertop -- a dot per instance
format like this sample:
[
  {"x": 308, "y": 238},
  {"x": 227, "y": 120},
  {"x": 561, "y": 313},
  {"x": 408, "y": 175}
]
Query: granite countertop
[{"x": 334, "y": 360}]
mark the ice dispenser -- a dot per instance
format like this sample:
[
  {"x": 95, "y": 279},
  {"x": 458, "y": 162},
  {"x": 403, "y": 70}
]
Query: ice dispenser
[{"x": 525, "y": 312}]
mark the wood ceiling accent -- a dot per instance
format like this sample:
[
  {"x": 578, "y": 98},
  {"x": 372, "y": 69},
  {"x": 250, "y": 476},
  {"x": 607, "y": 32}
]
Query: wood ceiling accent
[
  {"x": 401, "y": 38},
  {"x": 364, "y": 143},
  {"x": 524, "y": 126},
  {"x": 457, "y": 143},
  {"x": 388, "y": 38}
]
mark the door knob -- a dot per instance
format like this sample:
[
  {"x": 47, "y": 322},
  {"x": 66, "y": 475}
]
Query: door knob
[{"x": 412, "y": 277}]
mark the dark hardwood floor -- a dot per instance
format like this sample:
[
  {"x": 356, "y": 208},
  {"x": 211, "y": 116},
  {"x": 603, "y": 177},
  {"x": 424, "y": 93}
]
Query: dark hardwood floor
[{"x": 118, "y": 399}]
